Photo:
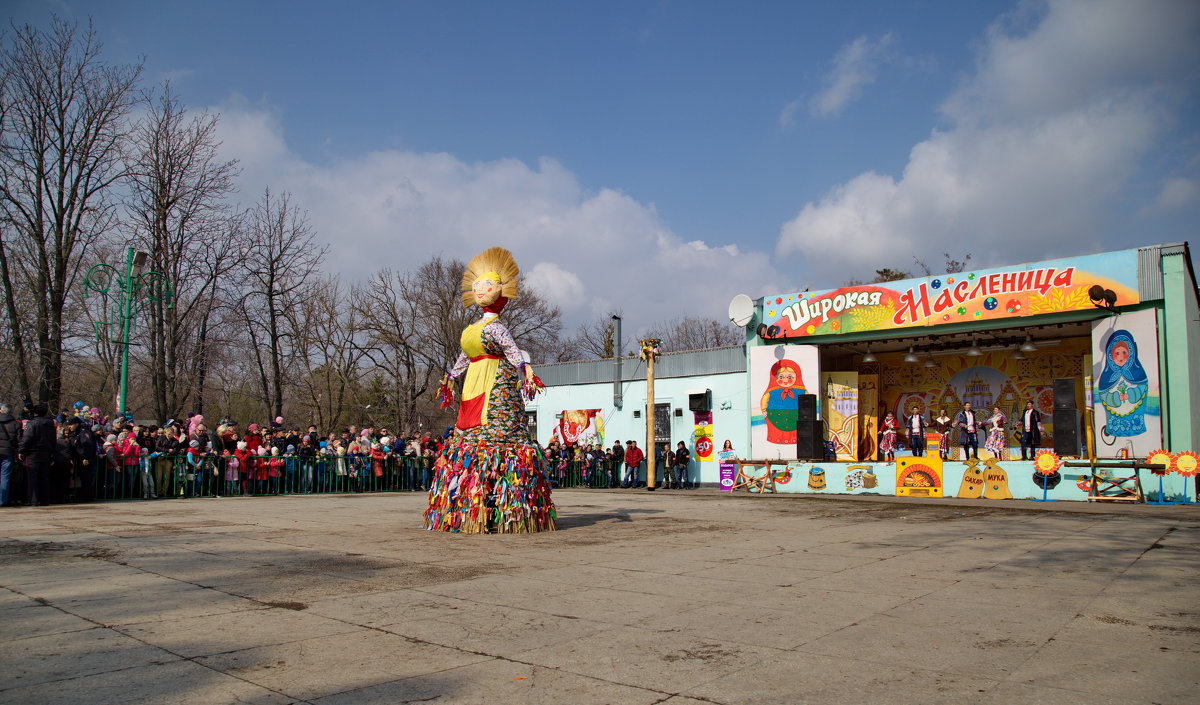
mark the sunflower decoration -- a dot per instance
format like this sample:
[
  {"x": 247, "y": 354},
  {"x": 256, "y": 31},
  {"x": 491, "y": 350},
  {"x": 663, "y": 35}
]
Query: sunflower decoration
[
  {"x": 1161, "y": 457},
  {"x": 1186, "y": 463},
  {"x": 1047, "y": 462}
]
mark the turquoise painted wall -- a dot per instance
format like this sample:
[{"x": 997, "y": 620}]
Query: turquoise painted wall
[
  {"x": 730, "y": 415},
  {"x": 1180, "y": 327}
]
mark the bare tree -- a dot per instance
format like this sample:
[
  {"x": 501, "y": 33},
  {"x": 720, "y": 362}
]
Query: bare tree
[
  {"x": 695, "y": 333},
  {"x": 386, "y": 308},
  {"x": 594, "y": 339},
  {"x": 63, "y": 122},
  {"x": 329, "y": 355},
  {"x": 177, "y": 203},
  {"x": 952, "y": 265},
  {"x": 281, "y": 265}
]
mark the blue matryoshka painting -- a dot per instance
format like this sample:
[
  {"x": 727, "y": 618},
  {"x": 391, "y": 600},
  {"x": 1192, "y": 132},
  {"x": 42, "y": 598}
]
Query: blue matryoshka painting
[
  {"x": 1128, "y": 420},
  {"x": 1123, "y": 386}
]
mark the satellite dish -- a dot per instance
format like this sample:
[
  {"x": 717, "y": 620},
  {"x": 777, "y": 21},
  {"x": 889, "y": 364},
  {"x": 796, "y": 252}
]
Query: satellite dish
[{"x": 741, "y": 309}]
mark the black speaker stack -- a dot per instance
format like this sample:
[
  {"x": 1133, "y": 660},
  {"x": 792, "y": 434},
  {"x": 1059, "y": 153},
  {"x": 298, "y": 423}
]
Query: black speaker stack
[
  {"x": 1066, "y": 418},
  {"x": 810, "y": 444}
]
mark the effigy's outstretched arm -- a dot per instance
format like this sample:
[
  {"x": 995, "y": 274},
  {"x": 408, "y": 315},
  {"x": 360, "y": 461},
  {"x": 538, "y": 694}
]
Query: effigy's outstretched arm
[
  {"x": 460, "y": 366},
  {"x": 530, "y": 384},
  {"x": 445, "y": 391}
]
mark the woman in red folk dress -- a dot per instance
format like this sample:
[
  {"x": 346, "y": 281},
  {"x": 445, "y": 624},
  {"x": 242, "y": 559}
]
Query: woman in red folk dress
[{"x": 887, "y": 441}]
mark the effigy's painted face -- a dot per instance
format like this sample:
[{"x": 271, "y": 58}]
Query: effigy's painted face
[
  {"x": 785, "y": 377},
  {"x": 486, "y": 290}
]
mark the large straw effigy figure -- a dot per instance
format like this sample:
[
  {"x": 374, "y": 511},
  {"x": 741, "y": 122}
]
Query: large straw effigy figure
[{"x": 490, "y": 478}]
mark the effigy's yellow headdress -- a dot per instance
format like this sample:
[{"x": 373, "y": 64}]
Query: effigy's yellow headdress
[{"x": 494, "y": 261}]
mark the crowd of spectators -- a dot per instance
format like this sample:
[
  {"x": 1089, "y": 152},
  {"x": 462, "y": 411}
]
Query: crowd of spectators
[
  {"x": 619, "y": 466},
  {"x": 80, "y": 455}
]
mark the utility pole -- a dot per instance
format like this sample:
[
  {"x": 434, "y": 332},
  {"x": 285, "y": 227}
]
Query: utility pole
[
  {"x": 618, "y": 398},
  {"x": 136, "y": 289},
  {"x": 650, "y": 353}
]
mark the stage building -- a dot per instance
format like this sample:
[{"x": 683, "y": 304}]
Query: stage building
[{"x": 1103, "y": 345}]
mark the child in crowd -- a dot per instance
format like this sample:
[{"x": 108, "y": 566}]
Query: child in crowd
[
  {"x": 377, "y": 457},
  {"x": 233, "y": 465},
  {"x": 291, "y": 470},
  {"x": 243, "y": 456},
  {"x": 261, "y": 464},
  {"x": 195, "y": 469},
  {"x": 274, "y": 470},
  {"x": 147, "y": 475}
]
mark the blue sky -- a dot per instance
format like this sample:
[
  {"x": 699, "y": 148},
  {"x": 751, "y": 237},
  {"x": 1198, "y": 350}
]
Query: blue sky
[{"x": 659, "y": 157}]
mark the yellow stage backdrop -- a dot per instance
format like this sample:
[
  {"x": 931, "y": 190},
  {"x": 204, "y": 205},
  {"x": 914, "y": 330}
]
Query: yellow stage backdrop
[
  {"x": 868, "y": 416},
  {"x": 841, "y": 412}
]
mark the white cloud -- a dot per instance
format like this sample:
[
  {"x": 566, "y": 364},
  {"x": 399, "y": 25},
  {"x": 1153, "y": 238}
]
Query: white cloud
[
  {"x": 556, "y": 284},
  {"x": 1176, "y": 193},
  {"x": 1076, "y": 52},
  {"x": 1042, "y": 140},
  {"x": 589, "y": 252},
  {"x": 854, "y": 67}
]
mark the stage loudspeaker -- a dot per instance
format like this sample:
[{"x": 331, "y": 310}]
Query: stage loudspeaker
[
  {"x": 1064, "y": 393},
  {"x": 809, "y": 442},
  {"x": 1066, "y": 432},
  {"x": 700, "y": 401}
]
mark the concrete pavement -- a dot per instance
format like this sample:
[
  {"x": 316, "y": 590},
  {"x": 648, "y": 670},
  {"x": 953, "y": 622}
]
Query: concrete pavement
[{"x": 672, "y": 597}]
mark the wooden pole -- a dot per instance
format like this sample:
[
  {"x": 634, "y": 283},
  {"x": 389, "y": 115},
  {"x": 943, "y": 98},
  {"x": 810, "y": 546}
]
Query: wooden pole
[{"x": 650, "y": 448}]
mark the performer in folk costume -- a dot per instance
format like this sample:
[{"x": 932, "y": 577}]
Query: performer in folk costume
[
  {"x": 490, "y": 478},
  {"x": 887, "y": 440},
  {"x": 779, "y": 403},
  {"x": 1031, "y": 430},
  {"x": 942, "y": 424},
  {"x": 968, "y": 426},
  {"x": 915, "y": 424},
  {"x": 997, "y": 438}
]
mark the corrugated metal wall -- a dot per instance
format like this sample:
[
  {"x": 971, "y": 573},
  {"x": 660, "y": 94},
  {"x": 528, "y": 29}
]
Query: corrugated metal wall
[
  {"x": 682, "y": 364},
  {"x": 1150, "y": 277},
  {"x": 1150, "y": 281}
]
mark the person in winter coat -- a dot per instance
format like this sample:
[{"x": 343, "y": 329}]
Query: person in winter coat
[
  {"x": 233, "y": 468},
  {"x": 306, "y": 454},
  {"x": 683, "y": 458},
  {"x": 61, "y": 480},
  {"x": 274, "y": 470},
  {"x": 166, "y": 454},
  {"x": 377, "y": 458},
  {"x": 36, "y": 450},
  {"x": 130, "y": 456},
  {"x": 195, "y": 469},
  {"x": 245, "y": 464},
  {"x": 633, "y": 463},
  {"x": 112, "y": 467},
  {"x": 253, "y": 438},
  {"x": 10, "y": 437},
  {"x": 83, "y": 458}
]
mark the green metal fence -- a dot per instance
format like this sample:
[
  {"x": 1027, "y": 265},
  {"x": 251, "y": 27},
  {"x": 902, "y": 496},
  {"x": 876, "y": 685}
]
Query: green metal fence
[{"x": 171, "y": 476}]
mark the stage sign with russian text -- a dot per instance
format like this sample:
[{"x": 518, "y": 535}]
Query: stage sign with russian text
[{"x": 1008, "y": 292}]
